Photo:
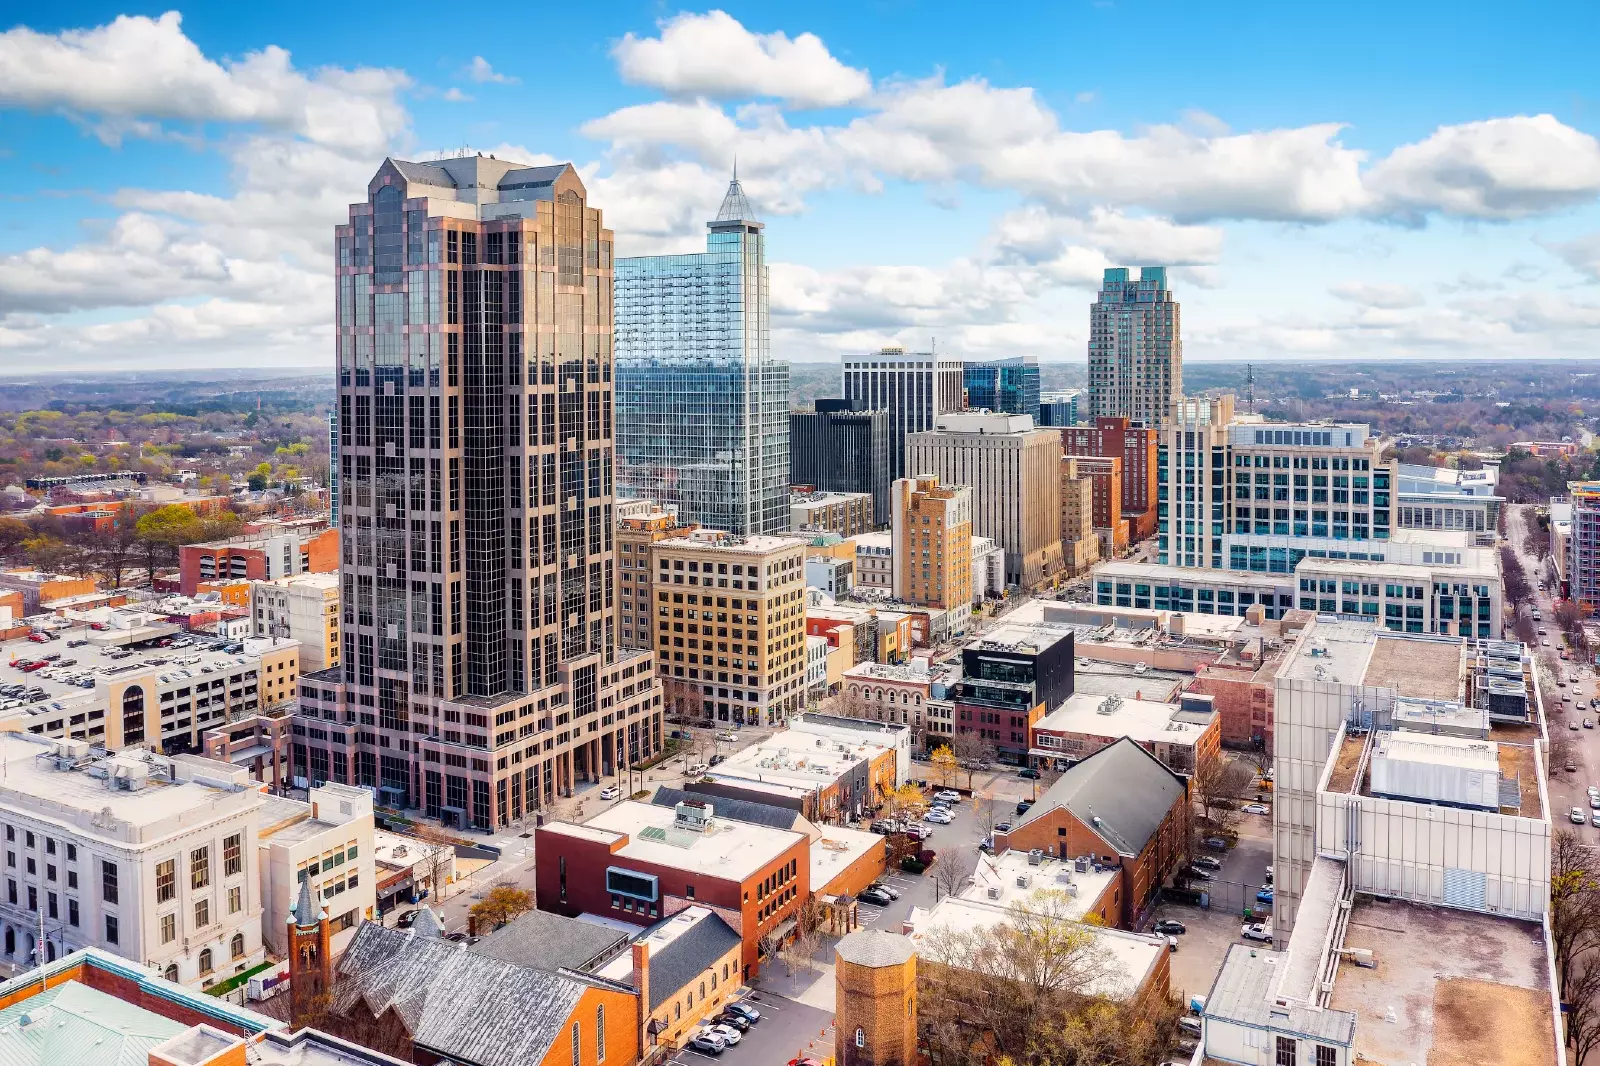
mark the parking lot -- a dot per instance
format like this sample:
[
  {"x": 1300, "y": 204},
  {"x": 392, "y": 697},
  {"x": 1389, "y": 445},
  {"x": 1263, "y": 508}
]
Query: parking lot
[{"x": 787, "y": 1030}]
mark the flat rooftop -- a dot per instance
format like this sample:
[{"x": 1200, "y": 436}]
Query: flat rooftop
[
  {"x": 805, "y": 760},
  {"x": 1013, "y": 636},
  {"x": 1426, "y": 669},
  {"x": 998, "y": 880},
  {"x": 728, "y": 849},
  {"x": 1098, "y": 679},
  {"x": 1145, "y": 721},
  {"x": 1464, "y": 987},
  {"x": 833, "y": 852}
]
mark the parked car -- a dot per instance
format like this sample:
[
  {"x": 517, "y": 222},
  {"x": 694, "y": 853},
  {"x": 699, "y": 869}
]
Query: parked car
[
  {"x": 1023, "y": 805},
  {"x": 696, "y": 769},
  {"x": 1256, "y": 808},
  {"x": 876, "y": 896},
  {"x": 916, "y": 832},
  {"x": 1190, "y": 1025},
  {"x": 1172, "y": 943},
  {"x": 1170, "y": 925},
  {"x": 747, "y": 1012},
  {"x": 1269, "y": 874},
  {"x": 738, "y": 1021},
  {"x": 1208, "y": 862},
  {"x": 1198, "y": 873},
  {"x": 938, "y": 816},
  {"x": 729, "y": 736},
  {"x": 1215, "y": 843},
  {"x": 405, "y": 920},
  {"x": 894, "y": 893},
  {"x": 1002, "y": 827},
  {"x": 1264, "y": 894},
  {"x": 729, "y": 1034},
  {"x": 1256, "y": 931},
  {"x": 610, "y": 792},
  {"x": 947, "y": 796},
  {"x": 1030, "y": 773},
  {"x": 1588, "y": 723},
  {"x": 1577, "y": 816},
  {"x": 707, "y": 1041}
]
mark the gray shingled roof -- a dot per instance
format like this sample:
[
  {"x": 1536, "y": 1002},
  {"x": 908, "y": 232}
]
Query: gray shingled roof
[
  {"x": 1245, "y": 991},
  {"x": 737, "y": 810},
  {"x": 1121, "y": 791},
  {"x": 875, "y": 947},
  {"x": 454, "y": 1002},
  {"x": 690, "y": 954},
  {"x": 553, "y": 942}
]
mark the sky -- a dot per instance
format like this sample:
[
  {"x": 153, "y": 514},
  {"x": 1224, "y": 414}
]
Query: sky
[{"x": 1326, "y": 182}]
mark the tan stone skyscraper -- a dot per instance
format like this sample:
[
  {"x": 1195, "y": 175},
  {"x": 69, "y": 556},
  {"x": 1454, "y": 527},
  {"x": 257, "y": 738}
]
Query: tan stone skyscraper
[
  {"x": 932, "y": 535},
  {"x": 1135, "y": 347}
]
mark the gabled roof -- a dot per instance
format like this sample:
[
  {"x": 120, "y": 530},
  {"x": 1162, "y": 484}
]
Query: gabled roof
[
  {"x": 1122, "y": 792},
  {"x": 737, "y": 810},
  {"x": 553, "y": 942},
  {"x": 687, "y": 955},
  {"x": 454, "y": 1002}
]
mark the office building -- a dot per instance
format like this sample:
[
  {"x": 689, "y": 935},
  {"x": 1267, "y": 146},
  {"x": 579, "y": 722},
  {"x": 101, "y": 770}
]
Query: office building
[
  {"x": 278, "y": 551},
  {"x": 304, "y": 608},
  {"x": 1104, "y": 475},
  {"x": 1059, "y": 408},
  {"x": 915, "y": 388},
  {"x": 702, "y": 407},
  {"x": 1009, "y": 386},
  {"x": 333, "y": 467},
  {"x": 932, "y": 543},
  {"x": 475, "y": 450},
  {"x": 1014, "y": 472},
  {"x": 1193, "y": 483},
  {"x": 844, "y": 513},
  {"x": 842, "y": 447},
  {"x": 1180, "y": 737},
  {"x": 1011, "y": 676},
  {"x": 640, "y": 523},
  {"x": 1137, "y": 447},
  {"x": 327, "y": 843},
  {"x": 988, "y": 569},
  {"x": 1135, "y": 347},
  {"x": 1441, "y": 497},
  {"x": 746, "y": 664},
  {"x": 1080, "y": 547},
  {"x": 146, "y": 857}
]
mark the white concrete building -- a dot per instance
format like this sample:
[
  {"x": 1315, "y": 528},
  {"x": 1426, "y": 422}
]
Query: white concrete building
[
  {"x": 150, "y": 858},
  {"x": 875, "y": 561},
  {"x": 988, "y": 569},
  {"x": 816, "y": 665},
  {"x": 304, "y": 608},
  {"x": 328, "y": 841}
]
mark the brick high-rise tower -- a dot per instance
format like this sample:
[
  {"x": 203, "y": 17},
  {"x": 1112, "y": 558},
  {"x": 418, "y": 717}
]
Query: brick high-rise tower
[{"x": 480, "y": 676}]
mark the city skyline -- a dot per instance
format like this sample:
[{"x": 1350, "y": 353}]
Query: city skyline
[{"x": 175, "y": 177}]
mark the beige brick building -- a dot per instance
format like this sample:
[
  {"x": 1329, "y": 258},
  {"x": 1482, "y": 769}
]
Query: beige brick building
[
  {"x": 1080, "y": 548},
  {"x": 932, "y": 537},
  {"x": 640, "y": 523}
]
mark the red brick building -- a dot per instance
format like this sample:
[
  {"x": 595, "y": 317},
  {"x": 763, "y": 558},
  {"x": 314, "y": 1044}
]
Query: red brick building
[
  {"x": 263, "y": 556},
  {"x": 1136, "y": 445},
  {"x": 637, "y": 861},
  {"x": 1105, "y": 475},
  {"x": 1120, "y": 807},
  {"x": 1242, "y": 693}
]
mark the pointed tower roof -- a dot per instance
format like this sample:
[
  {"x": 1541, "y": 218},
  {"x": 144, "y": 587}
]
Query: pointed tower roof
[
  {"x": 305, "y": 912},
  {"x": 735, "y": 205},
  {"x": 427, "y": 923}
]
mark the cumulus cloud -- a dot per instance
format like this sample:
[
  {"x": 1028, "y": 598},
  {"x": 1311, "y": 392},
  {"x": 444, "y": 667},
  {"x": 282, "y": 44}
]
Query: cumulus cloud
[
  {"x": 1581, "y": 254},
  {"x": 1381, "y": 295},
  {"x": 714, "y": 55},
  {"x": 479, "y": 70}
]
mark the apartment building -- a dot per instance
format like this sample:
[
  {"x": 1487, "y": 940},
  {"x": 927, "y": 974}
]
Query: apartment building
[
  {"x": 480, "y": 674},
  {"x": 1135, "y": 347},
  {"x": 1080, "y": 546},
  {"x": 1581, "y": 561},
  {"x": 874, "y": 568},
  {"x": 1137, "y": 446},
  {"x": 844, "y": 513},
  {"x": 327, "y": 842},
  {"x": 146, "y": 857},
  {"x": 304, "y": 608},
  {"x": 931, "y": 536},
  {"x": 915, "y": 388},
  {"x": 730, "y": 619},
  {"x": 1010, "y": 678},
  {"x": 640, "y": 524},
  {"x": 275, "y": 552},
  {"x": 1013, "y": 470}
]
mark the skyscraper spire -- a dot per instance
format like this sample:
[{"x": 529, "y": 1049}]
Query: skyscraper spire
[{"x": 735, "y": 205}]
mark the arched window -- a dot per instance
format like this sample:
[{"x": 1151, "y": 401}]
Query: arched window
[
  {"x": 237, "y": 946},
  {"x": 861, "y": 1037},
  {"x": 600, "y": 1033},
  {"x": 133, "y": 715},
  {"x": 576, "y": 1060},
  {"x": 205, "y": 960},
  {"x": 171, "y": 973}
]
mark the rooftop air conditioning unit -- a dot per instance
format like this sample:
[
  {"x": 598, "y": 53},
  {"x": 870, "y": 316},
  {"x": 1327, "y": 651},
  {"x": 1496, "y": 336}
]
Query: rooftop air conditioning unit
[
  {"x": 1035, "y": 856},
  {"x": 1023, "y": 880},
  {"x": 994, "y": 891}
]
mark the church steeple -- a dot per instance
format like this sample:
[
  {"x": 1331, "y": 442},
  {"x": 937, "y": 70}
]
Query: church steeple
[{"x": 310, "y": 958}]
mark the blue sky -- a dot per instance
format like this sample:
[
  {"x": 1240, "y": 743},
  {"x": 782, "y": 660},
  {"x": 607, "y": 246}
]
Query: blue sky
[{"x": 1334, "y": 182}]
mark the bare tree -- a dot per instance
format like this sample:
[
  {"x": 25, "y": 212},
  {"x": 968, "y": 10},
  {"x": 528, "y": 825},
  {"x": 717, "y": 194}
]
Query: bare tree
[
  {"x": 1581, "y": 994},
  {"x": 439, "y": 857},
  {"x": 1574, "y": 901},
  {"x": 798, "y": 953},
  {"x": 953, "y": 869},
  {"x": 1220, "y": 783},
  {"x": 985, "y": 812}
]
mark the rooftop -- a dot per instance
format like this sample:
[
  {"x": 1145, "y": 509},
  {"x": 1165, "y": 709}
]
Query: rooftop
[
  {"x": 548, "y": 941},
  {"x": 1007, "y": 635},
  {"x": 834, "y": 851},
  {"x": 1245, "y": 990},
  {"x": 726, "y": 848},
  {"x": 75, "y": 1023},
  {"x": 1095, "y": 679},
  {"x": 702, "y": 540},
  {"x": 825, "y": 498},
  {"x": 1112, "y": 716},
  {"x": 682, "y": 946},
  {"x": 999, "y": 879},
  {"x": 1121, "y": 791}
]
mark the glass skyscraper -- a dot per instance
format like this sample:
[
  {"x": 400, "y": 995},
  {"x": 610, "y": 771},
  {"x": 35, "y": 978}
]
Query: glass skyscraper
[
  {"x": 702, "y": 407},
  {"x": 1009, "y": 386}
]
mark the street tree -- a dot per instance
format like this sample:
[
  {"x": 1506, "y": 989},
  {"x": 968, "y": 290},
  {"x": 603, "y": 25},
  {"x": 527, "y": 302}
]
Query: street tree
[
  {"x": 1574, "y": 898},
  {"x": 953, "y": 868},
  {"x": 501, "y": 905},
  {"x": 1220, "y": 784},
  {"x": 944, "y": 766}
]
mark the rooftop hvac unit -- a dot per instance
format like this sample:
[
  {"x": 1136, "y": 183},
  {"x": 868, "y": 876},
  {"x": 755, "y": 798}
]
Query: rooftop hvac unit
[
  {"x": 994, "y": 891},
  {"x": 1035, "y": 856},
  {"x": 1081, "y": 865},
  {"x": 1024, "y": 880}
]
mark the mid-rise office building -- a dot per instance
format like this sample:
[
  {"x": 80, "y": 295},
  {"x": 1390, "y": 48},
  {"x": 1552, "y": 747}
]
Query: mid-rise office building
[
  {"x": 640, "y": 523},
  {"x": 842, "y": 447},
  {"x": 1080, "y": 547},
  {"x": 280, "y": 550},
  {"x": 1059, "y": 408},
  {"x": 844, "y": 513},
  {"x": 702, "y": 407},
  {"x": 1011, "y": 677},
  {"x": 1005, "y": 385},
  {"x": 1104, "y": 474},
  {"x": 932, "y": 540},
  {"x": 1135, "y": 347},
  {"x": 915, "y": 388},
  {"x": 479, "y": 675},
  {"x": 327, "y": 842},
  {"x": 1137, "y": 446},
  {"x": 303, "y": 608},
  {"x": 1014, "y": 472},
  {"x": 730, "y": 622}
]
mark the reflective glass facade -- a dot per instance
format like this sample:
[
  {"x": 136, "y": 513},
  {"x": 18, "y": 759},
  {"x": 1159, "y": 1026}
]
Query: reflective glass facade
[
  {"x": 702, "y": 407},
  {"x": 1009, "y": 385}
]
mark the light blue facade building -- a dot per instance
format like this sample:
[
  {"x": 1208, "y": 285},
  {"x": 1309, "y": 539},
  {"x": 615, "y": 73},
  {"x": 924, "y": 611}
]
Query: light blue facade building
[{"x": 702, "y": 407}]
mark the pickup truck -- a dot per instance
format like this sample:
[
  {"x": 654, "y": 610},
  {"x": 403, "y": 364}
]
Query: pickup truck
[{"x": 1257, "y": 931}]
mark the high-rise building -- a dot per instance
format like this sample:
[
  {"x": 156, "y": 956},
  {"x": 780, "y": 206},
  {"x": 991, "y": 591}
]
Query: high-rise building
[
  {"x": 1014, "y": 471},
  {"x": 1005, "y": 385},
  {"x": 1135, "y": 347},
  {"x": 475, "y": 451},
  {"x": 1104, "y": 474},
  {"x": 914, "y": 387},
  {"x": 1583, "y": 551},
  {"x": 1136, "y": 445},
  {"x": 841, "y": 447},
  {"x": 748, "y": 663},
  {"x": 1059, "y": 408},
  {"x": 640, "y": 523},
  {"x": 333, "y": 467},
  {"x": 932, "y": 537},
  {"x": 1192, "y": 481},
  {"x": 702, "y": 407}
]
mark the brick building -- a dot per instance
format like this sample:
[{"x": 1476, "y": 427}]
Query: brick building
[
  {"x": 266, "y": 556},
  {"x": 1120, "y": 807},
  {"x": 1105, "y": 475},
  {"x": 1080, "y": 547},
  {"x": 1136, "y": 444},
  {"x": 1181, "y": 736},
  {"x": 1010, "y": 677}
]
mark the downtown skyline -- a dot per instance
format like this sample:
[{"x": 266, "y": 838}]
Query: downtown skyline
[{"x": 173, "y": 178}]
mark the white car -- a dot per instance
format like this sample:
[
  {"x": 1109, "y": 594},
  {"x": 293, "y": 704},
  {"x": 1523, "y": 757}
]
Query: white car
[
  {"x": 1577, "y": 816},
  {"x": 731, "y": 737},
  {"x": 729, "y": 1034},
  {"x": 938, "y": 816},
  {"x": 610, "y": 792},
  {"x": 1255, "y": 808},
  {"x": 948, "y": 796},
  {"x": 1258, "y": 931}
]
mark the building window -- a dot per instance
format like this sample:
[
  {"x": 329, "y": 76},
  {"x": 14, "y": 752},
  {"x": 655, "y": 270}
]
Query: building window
[
  {"x": 111, "y": 929},
  {"x": 861, "y": 1037},
  {"x": 205, "y": 961},
  {"x": 1286, "y": 1055},
  {"x": 202, "y": 913},
  {"x": 169, "y": 928},
  {"x": 600, "y": 1033},
  {"x": 237, "y": 946},
  {"x": 199, "y": 867},
  {"x": 108, "y": 884},
  {"x": 1327, "y": 1056},
  {"x": 171, "y": 973},
  {"x": 235, "y": 900},
  {"x": 232, "y": 856},
  {"x": 575, "y": 1058},
  {"x": 166, "y": 881}
]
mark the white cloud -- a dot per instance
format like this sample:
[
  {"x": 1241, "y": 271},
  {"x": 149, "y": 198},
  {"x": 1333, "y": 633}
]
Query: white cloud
[
  {"x": 1581, "y": 254},
  {"x": 480, "y": 71},
  {"x": 1500, "y": 168},
  {"x": 1381, "y": 295},
  {"x": 714, "y": 55},
  {"x": 453, "y": 95},
  {"x": 136, "y": 69}
]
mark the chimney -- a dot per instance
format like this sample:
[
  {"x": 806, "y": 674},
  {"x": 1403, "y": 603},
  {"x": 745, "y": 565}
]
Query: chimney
[{"x": 640, "y": 979}]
